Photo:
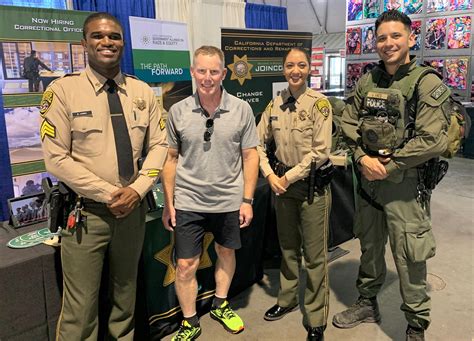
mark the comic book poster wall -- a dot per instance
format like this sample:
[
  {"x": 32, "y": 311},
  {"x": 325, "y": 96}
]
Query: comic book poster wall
[
  {"x": 254, "y": 61},
  {"x": 37, "y": 45},
  {"x": 442, "y": 30},
  {"x": 161, "y": 58}
]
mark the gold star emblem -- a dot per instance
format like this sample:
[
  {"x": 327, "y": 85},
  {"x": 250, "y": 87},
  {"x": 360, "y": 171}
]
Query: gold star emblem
[
  {"x": 166, "y": 256},
  {"x": 240, "y": 69}
]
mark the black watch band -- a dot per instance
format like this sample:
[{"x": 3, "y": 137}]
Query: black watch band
[{"x": 247, "y": 201}]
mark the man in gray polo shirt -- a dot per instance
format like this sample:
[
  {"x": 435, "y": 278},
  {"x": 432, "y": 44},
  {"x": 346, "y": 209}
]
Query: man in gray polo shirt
[{"x": 209, "y": 179}]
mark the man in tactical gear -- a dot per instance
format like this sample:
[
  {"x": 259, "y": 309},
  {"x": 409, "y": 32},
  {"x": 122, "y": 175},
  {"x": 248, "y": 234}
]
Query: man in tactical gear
[
  {"x": 31, "y": 66},
  {"x": 395, "y": 137}
]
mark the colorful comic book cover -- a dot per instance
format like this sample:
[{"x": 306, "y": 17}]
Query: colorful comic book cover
[
  {"x": 393, "y": 4},
  {"x": 456, "y": 73},
  {"x": 354, "y": 10},
  {"x": 416, "y": 30},
  {"x": 412, "y": 6},
  {"x": 353, "y": 40},
  {"x": 460, "y": 5},
  {"x": 371, "y": 9},
  {"x": 353, "y": 73},
  {"x": 368, "y": 39},
  {"x": 437, "y": 64},
  {"x": 437, "y": 6},
  {"x": 459, "y": 32},
  {"x": 435, "y": 33}
]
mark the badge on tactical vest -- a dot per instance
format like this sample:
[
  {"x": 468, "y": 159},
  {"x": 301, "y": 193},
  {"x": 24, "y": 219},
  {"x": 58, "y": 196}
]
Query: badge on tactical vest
[
  {"x": 323, "y": 107},
  {"x": 46, "y": 101}
]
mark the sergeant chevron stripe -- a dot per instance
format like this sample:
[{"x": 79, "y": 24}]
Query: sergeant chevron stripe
[
  {"x": 153, "y": 173},
  {"x": 48, "y": 129}
]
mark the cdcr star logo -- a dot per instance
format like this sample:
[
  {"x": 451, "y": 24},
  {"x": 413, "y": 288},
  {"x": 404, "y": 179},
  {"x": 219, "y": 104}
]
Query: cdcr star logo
[
  {"x": 145, "y": 40},
  {"x": 240, "y": 69}
]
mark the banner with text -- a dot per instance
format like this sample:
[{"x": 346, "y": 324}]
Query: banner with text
[
  {"x": 254, "y": 59},
  {"x": 161, "y": 58},
  {"x": 55, "y": 37}
]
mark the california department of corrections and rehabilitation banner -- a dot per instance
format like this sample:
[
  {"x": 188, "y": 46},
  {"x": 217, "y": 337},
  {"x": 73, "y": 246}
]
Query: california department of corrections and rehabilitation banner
[
  {"x": 56, "y": 36},
  {"x": 254, "y": 62},
  {"x": 161, "y": 58}
]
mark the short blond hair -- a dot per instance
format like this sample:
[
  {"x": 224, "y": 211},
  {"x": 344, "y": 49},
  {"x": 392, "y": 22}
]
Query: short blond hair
[{"x": 208, "y": 50}]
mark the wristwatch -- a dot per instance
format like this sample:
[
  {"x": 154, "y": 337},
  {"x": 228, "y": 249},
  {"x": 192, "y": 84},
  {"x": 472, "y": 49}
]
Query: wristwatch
[{"x": 247, "y": 201}]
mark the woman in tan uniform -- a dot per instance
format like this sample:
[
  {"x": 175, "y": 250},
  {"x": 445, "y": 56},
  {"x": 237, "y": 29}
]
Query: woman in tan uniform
[{"x": 299, "y": 121}]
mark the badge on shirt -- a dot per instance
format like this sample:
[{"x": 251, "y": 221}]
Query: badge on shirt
[
  {"x": 46, "y": 101},
  {"x": 302, "y": 115},
  {"x": 82, "y": 113},
  {"x": 140, "y": 103},
  {"x": 323, "y": 107},
  {"x": 47, "y": 129}
]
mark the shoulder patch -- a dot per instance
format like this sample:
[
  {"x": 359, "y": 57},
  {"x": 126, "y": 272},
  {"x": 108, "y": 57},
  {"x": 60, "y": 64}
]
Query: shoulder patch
[
  {"x": 323, "y": 106},
  {"x": 162, "y": 123},
  {"x": 47, "y": 129},
  {"x": 439, "y": 91},
  {"x": 46, "y": 101}
]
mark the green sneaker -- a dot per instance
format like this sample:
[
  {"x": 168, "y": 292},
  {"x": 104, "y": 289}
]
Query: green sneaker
[
  {"x": 186, "y": 332},
  {"x": 228, "y": 318}
]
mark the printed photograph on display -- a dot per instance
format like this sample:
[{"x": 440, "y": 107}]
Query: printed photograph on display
[
  {"x": 437, "y": 6},
  {"x": 412, "y": 6},
  {"x": 353, "y": 40},
  {"x": 368, "y": 39},
  {"x": 371, "y": 9},
  {"x": 437, "y": 64},
  {"x": 28, "y": 210},
  {"x": 30, "y": 183},
  {"x": 24, "y": 143},
  {"x": 32, "y": 66},
  {"x": 435, "y": 33},
  {"x": 354, "y": 10},
  {"x": 393, "y": 4},
  {"x": 460, "y": 5},
  {"x": 459, "y": 32},
  {"x": 416, "y": 30},
  {"x": 456, "y": 73},
  {"x": 353, "y": 73}
]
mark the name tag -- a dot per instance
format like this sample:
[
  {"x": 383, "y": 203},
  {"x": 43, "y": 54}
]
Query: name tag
[
  {"x": 82, "y": 113},
  {"x": 273, "y": 118}
]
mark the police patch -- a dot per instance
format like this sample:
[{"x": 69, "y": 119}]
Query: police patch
[
  {"x": 162, "y": 123},
  {"x": 323, "y": 106},
  {"x": 46, "y": 101},
  {"x": 47, "y": 129},
  {"x": 439, "y": 91}
]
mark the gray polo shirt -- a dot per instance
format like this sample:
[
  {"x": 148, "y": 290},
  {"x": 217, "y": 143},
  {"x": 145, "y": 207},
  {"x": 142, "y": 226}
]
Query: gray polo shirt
[{"x": 209, "y": 176}]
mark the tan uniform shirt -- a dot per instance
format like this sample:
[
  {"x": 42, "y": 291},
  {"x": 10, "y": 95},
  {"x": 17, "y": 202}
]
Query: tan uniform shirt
[
  {"x": 300, "y": 136},
  {"x": 78, "y": 138}
]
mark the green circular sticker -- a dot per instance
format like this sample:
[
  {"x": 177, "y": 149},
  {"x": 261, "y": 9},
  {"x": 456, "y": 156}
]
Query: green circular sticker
[{"x": 30, "y": 239}]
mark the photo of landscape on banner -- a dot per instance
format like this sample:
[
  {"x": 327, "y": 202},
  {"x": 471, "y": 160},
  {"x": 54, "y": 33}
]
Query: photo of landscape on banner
[
  {"x": 161, "y": 58},
  {"x": 254, "y": 59},
  {"x": 37, "y": 46}
]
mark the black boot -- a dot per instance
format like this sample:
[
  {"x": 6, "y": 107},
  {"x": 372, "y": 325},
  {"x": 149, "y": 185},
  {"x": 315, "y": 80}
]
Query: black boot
[
  {"x": 316, "y": 333},
  {"x": 364, "y": 310},
  {"x": 415, "y": 334},
  {"x": 276, "y": 312}
]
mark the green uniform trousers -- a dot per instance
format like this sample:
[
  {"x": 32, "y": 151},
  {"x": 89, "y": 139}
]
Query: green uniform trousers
[
  {"x": 303, "y": 230},
  {"x": 82, "y": 257},
  {"x": 407, "y": 224}
]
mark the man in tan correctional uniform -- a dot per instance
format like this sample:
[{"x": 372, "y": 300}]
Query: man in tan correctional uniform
[
  {"x": 80, "y": 149},
  {"x": 300, "y": 123}
]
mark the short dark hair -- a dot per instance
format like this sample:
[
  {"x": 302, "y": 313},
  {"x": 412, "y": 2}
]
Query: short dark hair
[
  {"x": 300, "y": 49},
  {"x": 98, "y": 16},
  {"x": 393, "y": 15},
  {"x": 32, "y": 52}
]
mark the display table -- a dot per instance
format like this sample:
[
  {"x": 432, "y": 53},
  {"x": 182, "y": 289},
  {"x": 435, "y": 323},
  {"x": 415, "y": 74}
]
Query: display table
[{"x": 30, "y": 287}]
